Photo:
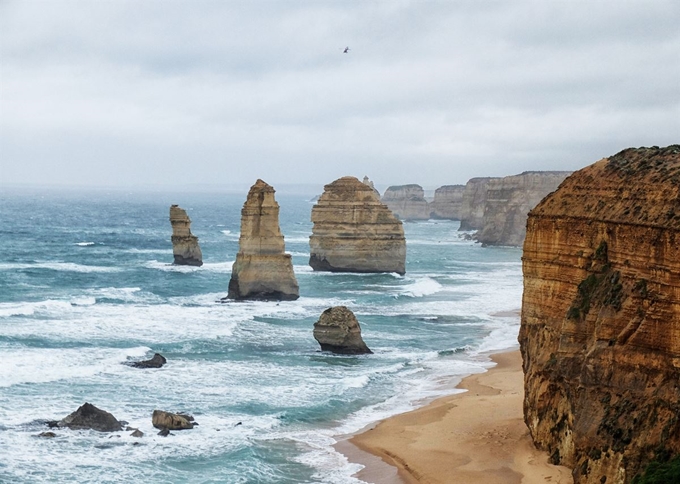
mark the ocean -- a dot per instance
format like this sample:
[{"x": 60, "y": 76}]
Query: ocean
[{"x": 86, "y": 284}]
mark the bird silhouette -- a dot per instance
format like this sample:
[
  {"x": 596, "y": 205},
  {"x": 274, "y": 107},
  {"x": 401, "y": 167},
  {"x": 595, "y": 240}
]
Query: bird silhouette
[{"x": 346, "y": 50}]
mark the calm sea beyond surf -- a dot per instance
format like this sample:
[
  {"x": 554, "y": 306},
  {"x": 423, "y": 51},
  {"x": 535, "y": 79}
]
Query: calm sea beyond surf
[{"x": 87, "y": 284}]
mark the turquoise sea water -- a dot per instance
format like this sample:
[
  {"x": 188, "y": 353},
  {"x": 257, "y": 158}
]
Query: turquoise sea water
[{"x": 86, "y": 284}]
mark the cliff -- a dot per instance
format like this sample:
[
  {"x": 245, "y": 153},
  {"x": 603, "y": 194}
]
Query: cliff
[
  {"x": 448, "y": 202},
  {"x": 367, "y": 181},
  {"x": 184, "y": 245},
  {"x": 508, "y": 201},
  {"x": 262, "y": 269},
  {"x": 600, "y": 329},
  {"x": 407, "y": 202},
  {"x": 472, "y": 205},
  {"x": 354, "y": 232}
]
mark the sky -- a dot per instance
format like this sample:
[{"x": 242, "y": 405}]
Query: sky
[{"x": 219, "y": 93}]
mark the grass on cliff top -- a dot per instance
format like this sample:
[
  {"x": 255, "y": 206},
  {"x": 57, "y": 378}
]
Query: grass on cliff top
[{"x": 660, "y": 473}]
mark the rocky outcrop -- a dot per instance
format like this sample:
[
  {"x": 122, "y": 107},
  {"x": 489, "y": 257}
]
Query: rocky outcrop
[
  {"x": 172, "y": 421},
  {"x": 367, "y": 181},
  {"x": 508, "y": 201},
  {"x": 157, "y": 361},
  {"x": 600, "y": 329},
  {"x": 86, "y": 417},
  {"x": 472, "y": 205},
  {"x": 354, "y": 232},
  {"x": 407, "y": 202},
  {"x": 262, "y": 270},
  {"x": 448, "y": 202},
  {"x": 338, "y": 331},
  {"x": 184, "y": 245}
]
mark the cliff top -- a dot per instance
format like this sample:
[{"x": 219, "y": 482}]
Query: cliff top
[
  {"x": 404, "y": 187},
  {"x": 645, "y": 181}
]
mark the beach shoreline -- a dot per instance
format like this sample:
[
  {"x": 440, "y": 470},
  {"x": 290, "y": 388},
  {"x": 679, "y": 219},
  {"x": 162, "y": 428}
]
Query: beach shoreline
[{"x": 476, "y": 437}]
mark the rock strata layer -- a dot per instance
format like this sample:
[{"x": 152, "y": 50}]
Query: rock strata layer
[
  {"x": 407, "y": 202},
  {"x": 354, "y": 232},
  {"x": 185, "y": 246},
  {"x": 448, "y": 202},
  {"x": 600, "y": 324},
  {"x": 472, "y": 205},
  {"x": 338, "y": 331},
  {"x": 262, "y": 270},
  {"x": 508, "y": 201}
]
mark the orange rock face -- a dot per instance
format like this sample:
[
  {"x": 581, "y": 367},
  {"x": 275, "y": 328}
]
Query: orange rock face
[{"x": 600, "y": 334}]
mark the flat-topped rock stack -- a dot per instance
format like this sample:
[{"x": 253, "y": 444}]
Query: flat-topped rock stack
[
  {"x": 448, "y": 202},
  {"x": 407, "y": 202},
  {"x": 354, "y": 232},
  {"x": 600, "y": 324},
  {"x": 472, "y": 206},
  {"x": 508, "y": 202},
  {"x": 262, "y": 270},
  {"x": 185, "y": 246}
]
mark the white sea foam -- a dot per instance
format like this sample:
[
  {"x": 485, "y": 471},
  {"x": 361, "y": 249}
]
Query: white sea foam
[
  {"x": 84, "y": 244},
  {"x": 148, "y": 251},
  {"x": 421, "y": 287},
  {"x": 57, "y": 266}
]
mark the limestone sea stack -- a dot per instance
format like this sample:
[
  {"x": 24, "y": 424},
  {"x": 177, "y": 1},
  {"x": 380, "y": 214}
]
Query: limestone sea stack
[
  {"x": 508, "y": 201},
  {"x": 600, "y": 324},
  {"x": 354, "y": 232},
  {"x": 447, "y": 203},
  {"x": 184, "y": 245},
  {"x": 262, "y": 270},
  {"x": 407, "y": 202},
  {"x": 338, "y": 331},
  {"x": 472, "y": 205},
  {"x": 367, "y": 181}
]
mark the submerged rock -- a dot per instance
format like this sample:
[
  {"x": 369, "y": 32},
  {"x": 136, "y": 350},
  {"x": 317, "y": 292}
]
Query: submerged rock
[
  {"x": 172, "y": 421},
  {"x": 338, "y": 331},
  {"x": 354, "y": 232},
  {"x": 137, "y": 433},
  {"x": 185, "y": 246},
  {"x": 262, "y": 270},
  {"x": 89, "y": 417},
  {"x": 47, "y": 435},
  {"x": 157, "y": 361}
]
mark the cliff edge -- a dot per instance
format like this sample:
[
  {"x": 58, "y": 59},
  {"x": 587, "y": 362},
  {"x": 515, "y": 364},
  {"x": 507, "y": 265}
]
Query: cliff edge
[
  {"x": 407, "y": 202},
  {"x": 600, "y": 324}
]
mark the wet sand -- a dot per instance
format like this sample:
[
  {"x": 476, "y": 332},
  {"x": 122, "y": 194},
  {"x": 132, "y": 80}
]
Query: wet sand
[{"x": 476, "y": 437}]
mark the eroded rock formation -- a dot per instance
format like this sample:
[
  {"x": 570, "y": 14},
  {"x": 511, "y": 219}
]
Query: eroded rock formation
[
  {"x": 407, "y": 202},
  {"x": 600, "y": 332},
  {"x": 367, "y": 181},
  {"x": 262, "y": 269},
  {"x": 157, "y": 361},
  {"x": 172, "y": 421},
  {"x": 448, "y": 202},
  {"x": 185, "y": 246},
  {"x": 472, "y": 206},
  {"x": 354, "y": 232},
  {"x": 338, "y": 331},
  {"x": 508, "y": 201}
]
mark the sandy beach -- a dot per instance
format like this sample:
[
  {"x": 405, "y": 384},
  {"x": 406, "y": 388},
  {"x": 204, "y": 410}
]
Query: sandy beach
[{"x": 475, "y": 437}]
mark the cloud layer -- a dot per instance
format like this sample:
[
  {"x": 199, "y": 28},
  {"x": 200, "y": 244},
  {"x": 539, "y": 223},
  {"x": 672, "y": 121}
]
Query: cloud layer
[{"x": 165, "y": 93}]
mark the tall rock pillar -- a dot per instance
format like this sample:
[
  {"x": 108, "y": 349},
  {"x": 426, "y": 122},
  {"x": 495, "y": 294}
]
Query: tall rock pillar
[
  {"x": 262, "y": 270},
  {"x": 184, "y": 245}
]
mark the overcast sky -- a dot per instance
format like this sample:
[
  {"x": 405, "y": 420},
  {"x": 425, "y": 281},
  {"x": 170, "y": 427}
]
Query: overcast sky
[{"x": 165, "y": 93}]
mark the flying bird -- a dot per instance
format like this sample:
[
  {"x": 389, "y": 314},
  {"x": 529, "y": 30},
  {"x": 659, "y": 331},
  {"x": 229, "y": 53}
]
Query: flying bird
[{"x": 346, "y": 50}]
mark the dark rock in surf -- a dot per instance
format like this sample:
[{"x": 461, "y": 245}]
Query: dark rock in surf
[
  {"x": 157, "y": 361},
  {"x": 137, "y": 433},
  {"x": 89, "y": 417},
  {"x": 47, "y": 435},
  {"x": 338, "y": 331}
]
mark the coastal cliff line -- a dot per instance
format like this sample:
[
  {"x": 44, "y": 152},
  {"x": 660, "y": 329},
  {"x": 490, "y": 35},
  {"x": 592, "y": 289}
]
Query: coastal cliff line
[{"x": 600, "y": 323}]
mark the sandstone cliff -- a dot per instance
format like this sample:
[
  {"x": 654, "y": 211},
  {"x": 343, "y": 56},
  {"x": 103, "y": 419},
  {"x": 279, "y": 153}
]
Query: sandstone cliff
[
  {"x": 354, "y": 232},
  {"x": 600, "y": 333},
  {"x": 448, "y": 202},
  {"x": 367, "y": 181},
  {"x": 407, "y": 202},
  {"x": 184, "y": 245},
  {"x": 472, "y": 205},
  {"x": 508, "y": 201},
  {"x": 262, "y": 269}
]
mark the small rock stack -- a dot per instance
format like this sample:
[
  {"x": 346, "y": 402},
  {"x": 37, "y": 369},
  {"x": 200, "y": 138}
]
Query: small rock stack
[{"x": 184, "y": 245}]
